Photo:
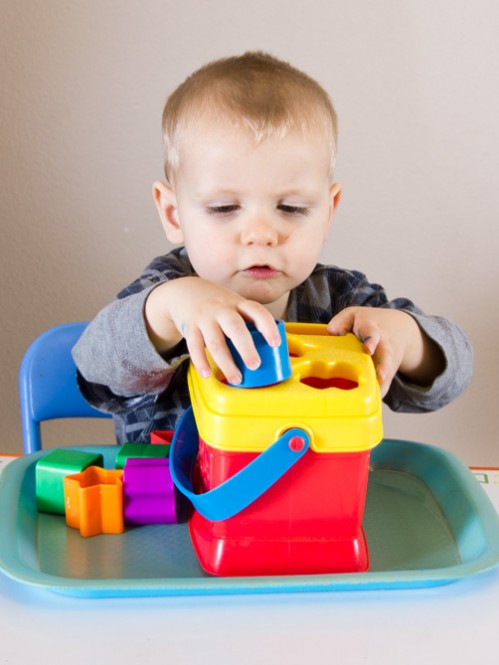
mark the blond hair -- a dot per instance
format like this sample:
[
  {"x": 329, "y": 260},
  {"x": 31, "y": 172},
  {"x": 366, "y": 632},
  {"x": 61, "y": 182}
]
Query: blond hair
[{"x": 254, "y": 90}]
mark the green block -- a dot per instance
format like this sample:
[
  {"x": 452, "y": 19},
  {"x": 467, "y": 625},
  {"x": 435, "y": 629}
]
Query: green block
[
  {"x": 140, "y": 450},
  {"x": 50, "y": 472}
]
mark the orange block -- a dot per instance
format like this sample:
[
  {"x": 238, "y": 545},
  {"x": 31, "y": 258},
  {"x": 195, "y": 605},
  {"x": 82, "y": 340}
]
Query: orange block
[{"x": 94, "y": 501}]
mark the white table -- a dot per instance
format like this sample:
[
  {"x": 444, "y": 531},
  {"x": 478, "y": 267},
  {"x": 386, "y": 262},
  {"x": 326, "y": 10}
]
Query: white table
[{"x": 457, "y": 623}]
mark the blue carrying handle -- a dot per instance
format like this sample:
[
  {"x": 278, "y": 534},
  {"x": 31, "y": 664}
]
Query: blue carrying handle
[{"x": 244, "y": 487}]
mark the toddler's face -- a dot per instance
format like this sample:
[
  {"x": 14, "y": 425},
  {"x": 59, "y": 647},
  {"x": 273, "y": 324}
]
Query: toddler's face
[{"x": 253, "y": 217}]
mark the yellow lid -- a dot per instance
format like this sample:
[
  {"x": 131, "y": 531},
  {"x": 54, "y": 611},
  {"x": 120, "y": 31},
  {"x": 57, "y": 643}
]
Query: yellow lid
[{"x": 333, "y": 394}]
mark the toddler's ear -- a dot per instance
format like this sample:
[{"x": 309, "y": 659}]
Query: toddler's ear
[
  {"x": 334, "y": 197},
  {"x": 166, "y": 203}
]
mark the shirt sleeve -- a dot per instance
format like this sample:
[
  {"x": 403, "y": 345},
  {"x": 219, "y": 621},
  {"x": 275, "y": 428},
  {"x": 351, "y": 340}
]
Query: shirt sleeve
[
  {"x": 115, "y": 350},
  {"x": 115, "y": 358},
  {"x": 454, "y": 379}
]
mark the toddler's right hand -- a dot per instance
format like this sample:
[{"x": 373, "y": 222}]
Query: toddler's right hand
[{"x": 205, "y": 314}]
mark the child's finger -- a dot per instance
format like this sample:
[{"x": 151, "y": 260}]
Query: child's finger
[
  {"x": 197, "y": 351},
  {"x": 385, "y": 367},
  {"x": 369, "y": 335},
  {"x": 216, "y": 343},
  {"x": 353, "y": 319},
  {"x": 263, "y": 320},
  {"x": 343, "y": 322},
  {"x": 237, "y": 331}
]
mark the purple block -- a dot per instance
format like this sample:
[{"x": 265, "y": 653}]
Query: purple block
[{"x": 148, "y": 491}]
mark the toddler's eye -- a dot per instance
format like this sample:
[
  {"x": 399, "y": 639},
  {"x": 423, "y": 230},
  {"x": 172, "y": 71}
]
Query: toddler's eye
[
  {"x": 293, "y": 210},
  {"x": 222, "y": 210}
]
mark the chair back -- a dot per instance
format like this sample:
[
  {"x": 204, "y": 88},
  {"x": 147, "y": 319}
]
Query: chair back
[{"x": 47, "y": 383}]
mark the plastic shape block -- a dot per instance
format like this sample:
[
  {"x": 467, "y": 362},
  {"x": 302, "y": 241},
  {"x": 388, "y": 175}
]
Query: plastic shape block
[
  {"x": 140, "y": 450},
  {"x": 148, "y": 492},
  {"x": 94, "y": 501},
  {"x": 275, "y": 364},
  {"x": 51, "y": 471},
  {"x": 162, "y": 436}
]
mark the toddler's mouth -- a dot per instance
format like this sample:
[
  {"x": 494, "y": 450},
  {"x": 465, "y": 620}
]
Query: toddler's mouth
[{"x": 261, "y": 272}]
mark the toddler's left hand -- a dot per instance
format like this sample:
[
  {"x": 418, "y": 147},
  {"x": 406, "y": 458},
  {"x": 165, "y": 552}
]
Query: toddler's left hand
[{"x": 395, "y": 342}]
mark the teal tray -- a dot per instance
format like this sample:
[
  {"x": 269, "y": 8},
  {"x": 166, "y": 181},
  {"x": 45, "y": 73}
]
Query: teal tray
[{"x": 427, "y": 520}]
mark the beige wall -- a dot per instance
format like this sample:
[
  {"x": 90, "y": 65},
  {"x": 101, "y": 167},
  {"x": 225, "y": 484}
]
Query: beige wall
[{"x": 416, "y": 87}]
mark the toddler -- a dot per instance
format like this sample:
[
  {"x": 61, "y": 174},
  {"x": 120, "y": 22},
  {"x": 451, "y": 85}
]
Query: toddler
[{"x": 249, "y": 198}]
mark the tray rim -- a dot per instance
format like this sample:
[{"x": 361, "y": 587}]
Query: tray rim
[{"x": 382, "y": 456}]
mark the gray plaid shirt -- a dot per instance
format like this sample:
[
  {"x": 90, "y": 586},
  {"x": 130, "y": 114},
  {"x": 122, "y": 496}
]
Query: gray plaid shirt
[{"x": 120, "y": 372}]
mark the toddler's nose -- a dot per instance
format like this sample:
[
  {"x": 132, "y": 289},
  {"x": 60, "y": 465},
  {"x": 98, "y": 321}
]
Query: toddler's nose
[{"x": 260, "y": 232}]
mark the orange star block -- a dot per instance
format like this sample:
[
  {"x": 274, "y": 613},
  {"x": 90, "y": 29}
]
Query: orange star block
[{"x": 94, "y": 501}]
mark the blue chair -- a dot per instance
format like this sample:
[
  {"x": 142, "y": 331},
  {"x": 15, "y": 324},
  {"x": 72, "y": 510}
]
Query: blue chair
[{"x": 47, "y": 383}]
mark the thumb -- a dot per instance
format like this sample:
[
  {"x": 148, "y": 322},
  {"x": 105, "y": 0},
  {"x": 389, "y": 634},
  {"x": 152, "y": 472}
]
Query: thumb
[{"x": 343, "y": 322}]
